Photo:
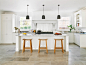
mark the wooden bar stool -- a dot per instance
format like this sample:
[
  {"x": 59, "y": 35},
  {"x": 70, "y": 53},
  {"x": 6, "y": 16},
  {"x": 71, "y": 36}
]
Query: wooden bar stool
[
  {"x": 59, "y": 47},
  {"x": 42, "y": 47},
  {"x": 27, "y": 47}
]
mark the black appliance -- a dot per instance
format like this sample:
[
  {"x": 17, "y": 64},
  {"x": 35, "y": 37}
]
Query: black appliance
[{"x": 40, "y": 32}]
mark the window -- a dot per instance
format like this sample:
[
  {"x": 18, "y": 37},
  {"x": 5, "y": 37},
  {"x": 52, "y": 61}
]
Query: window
[
  {"x": 25, "y": 24},
  {"x": 63, "y": 23}
]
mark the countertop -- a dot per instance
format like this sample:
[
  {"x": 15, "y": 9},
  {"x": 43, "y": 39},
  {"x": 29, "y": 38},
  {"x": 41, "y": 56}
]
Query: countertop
[
  {"x": 79, "y": 33},
  {"x": 42, "y": 35}
]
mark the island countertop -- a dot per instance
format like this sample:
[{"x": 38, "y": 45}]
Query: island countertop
[{"x": 42, "y": 35}]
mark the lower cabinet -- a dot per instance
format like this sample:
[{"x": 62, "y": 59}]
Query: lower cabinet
[
  {"x": 14, "y": 37},
  {"x": 71, "y": 37},
  {"x": 6, "y": 38},
  {"x": 77, "y": 38}
]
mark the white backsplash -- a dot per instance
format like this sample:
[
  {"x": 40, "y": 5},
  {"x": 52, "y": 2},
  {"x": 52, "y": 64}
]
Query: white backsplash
[{"x": 45, "y": 27}]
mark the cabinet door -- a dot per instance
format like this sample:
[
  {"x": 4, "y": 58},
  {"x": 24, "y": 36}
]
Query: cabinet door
[
  {"x": 75, "y": 39},
  {"x": 6, "y": 16},
  {"x": 3, "y": 38},
  {"x": 14, "y": 37},
  {"x": 6, "y": 34},
  {"x": 9, "y": 38},
  {"x": 3, "y": 27},
  {"x": 71, "y": 37},
  {"x": 9, "y": 27},
  {"x": 9, "y": 31},
  {"x": 78, "y": 40},
  {"x": 6, "y": 38}
]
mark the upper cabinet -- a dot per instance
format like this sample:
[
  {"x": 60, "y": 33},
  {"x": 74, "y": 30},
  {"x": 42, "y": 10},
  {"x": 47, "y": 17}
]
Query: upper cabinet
[
  {"x": 10, "y": 17},
  {"x": 6, "y": 16},
  {"x": 80, "y": 18}
]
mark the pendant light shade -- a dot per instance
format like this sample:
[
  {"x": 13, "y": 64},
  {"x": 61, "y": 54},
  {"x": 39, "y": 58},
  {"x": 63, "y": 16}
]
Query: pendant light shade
[
  {"x": 58, "y": 16},
  {"x": 43, "y": 16},
  {"x": 27, "y": 17}
]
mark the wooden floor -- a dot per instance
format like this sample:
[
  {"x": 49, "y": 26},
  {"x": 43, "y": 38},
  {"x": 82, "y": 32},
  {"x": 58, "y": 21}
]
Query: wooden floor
[{"x": 76, "y": 56}]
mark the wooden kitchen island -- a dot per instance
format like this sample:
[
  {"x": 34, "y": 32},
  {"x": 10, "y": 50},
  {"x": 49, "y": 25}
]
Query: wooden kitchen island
[{"x": 35, "y": 41}]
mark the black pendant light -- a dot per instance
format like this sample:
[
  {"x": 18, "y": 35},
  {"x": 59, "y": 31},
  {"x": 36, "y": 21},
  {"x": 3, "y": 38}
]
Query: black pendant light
[
  {"x": 43, "y": 16},
  {"x": 27, "y": 17},
  {"x": 58, "y": 16}
]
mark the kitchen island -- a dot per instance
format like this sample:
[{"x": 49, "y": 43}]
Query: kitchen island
[{"x": 35, "y": 41}]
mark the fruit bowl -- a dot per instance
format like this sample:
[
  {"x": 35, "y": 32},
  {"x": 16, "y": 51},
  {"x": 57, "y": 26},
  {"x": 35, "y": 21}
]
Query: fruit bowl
[
  {"x": 24, "y": 33},
  {"x": 57, "y": 34}
]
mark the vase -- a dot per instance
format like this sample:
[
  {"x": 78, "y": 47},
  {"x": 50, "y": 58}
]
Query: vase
[
  {"x": 16, "y": 31},
  {"x": 70, "y": 30}
]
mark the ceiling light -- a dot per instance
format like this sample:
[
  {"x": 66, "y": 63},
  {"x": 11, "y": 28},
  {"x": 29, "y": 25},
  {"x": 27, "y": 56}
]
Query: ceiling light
[
  {"x": 27, "y": 17},
  {"x": 58, "y": 16},
  {"x": 43, "y": 16}
]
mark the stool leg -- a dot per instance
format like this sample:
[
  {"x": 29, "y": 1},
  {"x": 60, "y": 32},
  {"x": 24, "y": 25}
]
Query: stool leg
[
  {"x": 23, "y": 46},
  {"x": 39, "y": 46},
  {"x": 62, "y": 45},
  {"x": 30, "y": 47},
  {"x": 55, "y": 47},
  {"x": 46, "y": 47}
]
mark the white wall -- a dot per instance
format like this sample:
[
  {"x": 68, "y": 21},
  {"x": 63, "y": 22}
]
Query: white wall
[
  {"x": 48, "y": 14},
  {"x": 37, "y": 15}
]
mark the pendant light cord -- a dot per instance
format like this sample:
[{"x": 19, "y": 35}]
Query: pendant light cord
[
  {"x": 27, "y": 9},
  {"x": 58, "y": 9},
  {"x": 43, "y": 9}
]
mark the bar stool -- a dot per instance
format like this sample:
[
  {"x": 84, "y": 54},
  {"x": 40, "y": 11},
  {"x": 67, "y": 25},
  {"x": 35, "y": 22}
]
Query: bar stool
[
  {"x": 42, "y": 47},
  {"x": 27, "y": 47},
  {"x": 59, "y": 47}
]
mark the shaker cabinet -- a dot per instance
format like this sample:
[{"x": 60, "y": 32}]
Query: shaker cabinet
[
  {"x": 14, "y": 37},
  {"x": 71, "y": 37},
  {"x": 6, "y": 16},
  {"x": 77, "y": 38},
  {"x": 6, "y": 28}
]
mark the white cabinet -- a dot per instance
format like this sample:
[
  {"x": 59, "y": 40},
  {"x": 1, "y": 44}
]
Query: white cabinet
[
  {"x": 71, "y": 37},
  {"x": 77, "y": 38},
  {"x": 80, "y": 18},
  {"x": 14, "y": 37},
  {"x": 6, "y": 28},
  {"x": 6, "y": 17}
]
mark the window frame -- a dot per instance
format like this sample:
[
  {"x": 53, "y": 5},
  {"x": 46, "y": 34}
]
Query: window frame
[
  {"x": 26, "y": 25},
  {"x": 64, "y": 29}
]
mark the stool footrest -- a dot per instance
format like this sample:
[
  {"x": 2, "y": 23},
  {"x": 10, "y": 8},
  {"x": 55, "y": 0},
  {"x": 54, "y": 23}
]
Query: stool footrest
[
  {"x": 58, "y": 47},
  {"x": 27, "y": 48},
  {"x": 42, "y": 47}
]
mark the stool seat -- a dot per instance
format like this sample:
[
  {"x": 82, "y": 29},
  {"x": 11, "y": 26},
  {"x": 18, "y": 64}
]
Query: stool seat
[
  {"x": 59, "y": 47},
  {"x": 27, "y": 39},
  {"x": 58, "y": 39},
  {"x": 42, "y": 39},
  {"x": 27, "y": 47},
  {"x": 42, "y": 47}
]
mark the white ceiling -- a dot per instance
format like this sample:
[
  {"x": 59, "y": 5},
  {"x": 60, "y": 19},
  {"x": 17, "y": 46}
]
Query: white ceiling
[{"x": 36, "y": 5}]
